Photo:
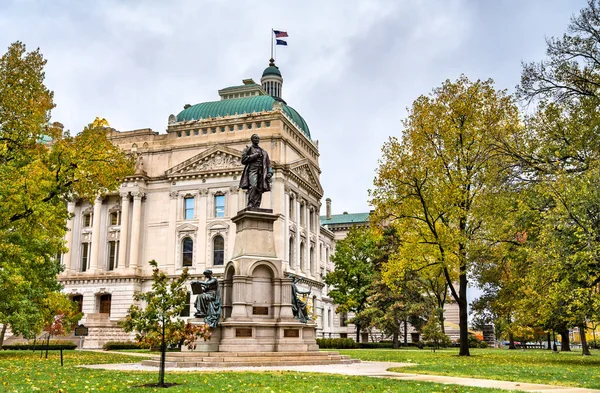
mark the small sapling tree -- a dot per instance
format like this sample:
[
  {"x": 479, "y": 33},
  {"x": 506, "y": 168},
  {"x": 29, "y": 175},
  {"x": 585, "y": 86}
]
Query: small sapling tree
[{"x": 158, "y": 323}]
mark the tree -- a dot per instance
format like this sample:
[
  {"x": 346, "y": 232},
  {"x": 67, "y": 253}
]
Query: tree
[
  {"x": 41, "y": 168},
  {"x": 353, "y": 273},
  {"x": 561, "y": 157},
  {"x": 158, "y": 323},
  {"x": 437, "y": 184},
  {"x": 571, "y": 69},
  {"x": 432, "y": 332}
]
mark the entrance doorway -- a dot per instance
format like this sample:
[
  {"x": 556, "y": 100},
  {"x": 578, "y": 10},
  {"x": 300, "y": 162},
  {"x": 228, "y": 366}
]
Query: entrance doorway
[{"x": 105, "y": 304}]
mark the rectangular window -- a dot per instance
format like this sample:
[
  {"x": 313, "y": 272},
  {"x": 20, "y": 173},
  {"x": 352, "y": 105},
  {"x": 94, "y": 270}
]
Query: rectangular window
[
  {"x": 115, "y": 218},
  {"x": 87, "y": 220},
  {"x": 113, "y": 255},
  {"x": 343, "y": 319},
  {"x": 85, "y": 254},
  {"x": 219, "y": 205},
  {"x": 189, "y": 208}
]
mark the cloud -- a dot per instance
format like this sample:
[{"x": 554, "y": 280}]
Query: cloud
[{"x": 351, "y": 67}]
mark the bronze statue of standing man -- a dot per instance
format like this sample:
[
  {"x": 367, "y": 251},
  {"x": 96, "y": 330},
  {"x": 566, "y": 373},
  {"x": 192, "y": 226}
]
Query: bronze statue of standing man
[{"x": 257, "y": 174}]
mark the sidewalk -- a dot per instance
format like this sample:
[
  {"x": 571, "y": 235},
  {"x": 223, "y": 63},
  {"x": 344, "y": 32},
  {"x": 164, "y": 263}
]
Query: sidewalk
[{"x": 367, "y": 369}]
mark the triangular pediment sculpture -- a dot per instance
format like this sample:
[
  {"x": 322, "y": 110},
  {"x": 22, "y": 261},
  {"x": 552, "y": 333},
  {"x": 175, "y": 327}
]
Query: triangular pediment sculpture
[
  {"x": 305, "y": 173},
  {"x": 218, "y": 160}
]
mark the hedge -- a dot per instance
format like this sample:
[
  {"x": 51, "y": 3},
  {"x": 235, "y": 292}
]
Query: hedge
[
  {"x": 337, "y": 343},
  {"x": 114, "y": 345},
  {"x": 385, "y": 344},
  {"x": 54, "y": 345}
]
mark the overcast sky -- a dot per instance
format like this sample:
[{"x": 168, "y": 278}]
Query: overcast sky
[{"x": 351, "y": 68}]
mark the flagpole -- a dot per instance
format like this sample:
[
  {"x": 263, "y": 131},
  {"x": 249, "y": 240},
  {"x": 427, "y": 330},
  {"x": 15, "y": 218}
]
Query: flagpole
[{"x": 272, "y": 43}]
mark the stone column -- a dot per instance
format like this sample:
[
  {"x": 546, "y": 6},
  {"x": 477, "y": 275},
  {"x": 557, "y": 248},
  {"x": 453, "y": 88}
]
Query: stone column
[
  {"x": 239, "y": 295},
  {"x": 171, "y": 235},
  {"x": 95, "y": 235},
  {"x": 69, "y": 238},
  {"x": 124, "y": 232},
  {"x": 201, "y": 235},
  {"x": 308, "y": 231},
  {"x": 298, "y": 236},
  {"x": 286, "y": 299},
  {"x": 286, "y": 232},
  {"x": 135, "y": 229}
]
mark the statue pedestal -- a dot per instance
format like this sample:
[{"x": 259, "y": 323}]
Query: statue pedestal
[
  {"x": 212, "y": 345},
  {"x": 258, "y": 297}
]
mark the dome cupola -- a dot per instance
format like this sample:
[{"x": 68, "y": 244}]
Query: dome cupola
[{"x": 272, "y": 81}]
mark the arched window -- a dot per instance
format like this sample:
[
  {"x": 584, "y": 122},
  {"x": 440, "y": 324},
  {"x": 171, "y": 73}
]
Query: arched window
[
  {"x": 291, "y": 252},
  {"x": 187, "y": 254},
  {"x": 218, "y": 250}
]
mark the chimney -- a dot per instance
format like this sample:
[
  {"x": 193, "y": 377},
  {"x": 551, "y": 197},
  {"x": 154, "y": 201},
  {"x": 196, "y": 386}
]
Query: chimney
[{"x": 328, "y": 208}]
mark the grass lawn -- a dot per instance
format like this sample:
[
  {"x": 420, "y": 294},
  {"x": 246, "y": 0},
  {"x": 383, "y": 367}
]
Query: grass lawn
[
  {"x": 24, "y": 371},
  {"x": 536, "y": 366}
]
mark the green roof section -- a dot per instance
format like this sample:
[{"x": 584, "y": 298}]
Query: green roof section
[
  {"x": 241, "y": 86},
  {"x": 271, "y": 70},
  {"x": 239, "y": 106},
  {"x": 353, "y": 218}
]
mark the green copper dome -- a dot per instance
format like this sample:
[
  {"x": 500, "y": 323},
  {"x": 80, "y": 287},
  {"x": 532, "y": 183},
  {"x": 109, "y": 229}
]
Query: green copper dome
[
  {"x": 271, "y": 70},
  {"x": 239, "y": 106}
]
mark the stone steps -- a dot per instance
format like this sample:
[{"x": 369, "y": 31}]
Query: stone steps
[{"x": 246, "y": 359}]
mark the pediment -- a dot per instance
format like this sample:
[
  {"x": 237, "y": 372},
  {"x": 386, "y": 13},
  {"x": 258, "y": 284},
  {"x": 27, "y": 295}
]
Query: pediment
[
  {"x": 218, "y": 160},
  {"x": 304, "y": 172},
  {"x": 187, "y": 228}
]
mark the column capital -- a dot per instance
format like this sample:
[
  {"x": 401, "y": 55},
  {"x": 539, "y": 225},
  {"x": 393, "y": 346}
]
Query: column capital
[
  {"x": 99, "y": 199},
  {"x": 173, "y": 194},
  {"x": 203, "y": 191},
  {"x": 124, "y": 194},
  {"x": 138, "y": 194},
  {"x": 234, "y": 188}
]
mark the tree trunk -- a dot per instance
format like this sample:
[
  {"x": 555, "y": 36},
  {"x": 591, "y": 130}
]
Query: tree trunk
[
  {"x": 357, "y": 333},
  {"x": 549, "y": 341},
  {"x": 585, "y": 350},
  {"x": 441, "y": 316},
  {"x": 565, "y": 345},
  {"x": 163, "y": 355},
  {"x": 463, "y": 313},
  {"x": 395, "y": 341},
  {"x": 2, "y": 333},
  {"x": 405, "y": 333},
  {"x": 511, "y": 341}
]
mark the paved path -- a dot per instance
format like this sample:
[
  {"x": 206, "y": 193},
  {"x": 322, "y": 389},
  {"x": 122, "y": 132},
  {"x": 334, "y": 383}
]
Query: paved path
[{"x": 367, "y": 369}]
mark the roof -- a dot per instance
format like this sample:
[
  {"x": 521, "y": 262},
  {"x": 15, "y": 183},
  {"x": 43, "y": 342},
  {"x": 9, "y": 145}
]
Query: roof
[
  {"x": 353, "y": 218},
  {"x": 241, "y": 86},
  {"x": 239, "y": 106},
  {"x": 271, "y": 70}
]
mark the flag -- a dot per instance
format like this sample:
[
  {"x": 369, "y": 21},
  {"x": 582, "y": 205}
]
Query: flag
[
  {"x": 281, "y": 42},
  {"x": 280, "y": 34}
]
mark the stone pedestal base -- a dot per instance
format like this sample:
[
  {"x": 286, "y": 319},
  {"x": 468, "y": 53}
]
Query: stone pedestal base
[
  {"x": 212, "y": 345},
  {"x": 267, "y": 336}
]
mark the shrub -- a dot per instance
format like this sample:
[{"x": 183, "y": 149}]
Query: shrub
[
  {"x": 444, "y": 342},
  {"x": 337, "y": 343},
  {"x": 384, "y": 344},
  {"x": 482, "y": 344},
  {"x": 474, "y": 342},
  {"x": 54, "y": 345},
  {"x": 115, "y": 345}
]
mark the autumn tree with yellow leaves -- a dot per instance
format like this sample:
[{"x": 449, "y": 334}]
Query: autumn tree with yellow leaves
[
  {"x": 42, "y": 167},
  {"x": 439, "y": 183}
]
